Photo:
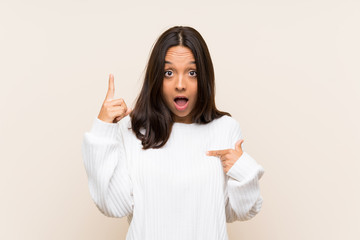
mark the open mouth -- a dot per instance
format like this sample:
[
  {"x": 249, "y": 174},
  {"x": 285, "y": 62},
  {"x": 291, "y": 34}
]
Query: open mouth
[{"x": 181, "y": 101}]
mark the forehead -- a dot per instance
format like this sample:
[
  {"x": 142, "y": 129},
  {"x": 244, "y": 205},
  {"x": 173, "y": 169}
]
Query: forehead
[{"x": 179, "y": 52}]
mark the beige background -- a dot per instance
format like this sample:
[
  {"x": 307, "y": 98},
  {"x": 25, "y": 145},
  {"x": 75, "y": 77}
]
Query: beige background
[{"x": 288, "y": 71}]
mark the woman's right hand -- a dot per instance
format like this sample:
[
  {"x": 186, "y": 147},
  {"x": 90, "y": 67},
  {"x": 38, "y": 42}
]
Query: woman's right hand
[{"x": 113, "y": 110}]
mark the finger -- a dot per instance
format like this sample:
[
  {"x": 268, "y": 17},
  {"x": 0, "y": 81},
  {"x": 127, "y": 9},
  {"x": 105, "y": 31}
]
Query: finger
[
  {"x": 129, "y": 110},
  {"x": 111, "y": 89},
  {"x": 238, "y": 144},
  {"x": 121, "y": 111},
  {"x": 217, "y": 152},
  {"x": 117, "y": 102},
  {"x": 223, "y": 158},
  {"x": 117, "y": 119},
  {"x": 117, "y": 109}
]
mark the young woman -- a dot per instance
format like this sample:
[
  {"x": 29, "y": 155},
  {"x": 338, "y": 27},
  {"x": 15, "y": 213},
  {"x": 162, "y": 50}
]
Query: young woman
[{"x": 174, "y": 165}]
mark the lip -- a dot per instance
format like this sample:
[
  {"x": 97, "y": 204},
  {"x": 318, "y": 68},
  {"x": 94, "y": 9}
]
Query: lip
[
  {"x": 181, "y": 96},
  {"x": 181, "y": 108}
]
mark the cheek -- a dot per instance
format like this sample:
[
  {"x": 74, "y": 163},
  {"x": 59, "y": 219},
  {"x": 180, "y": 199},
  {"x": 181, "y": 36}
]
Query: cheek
[
  {"x": 195, "y": 91},
  {"x": 166, "y": 92},
  {"x": 164, "y": 89}
]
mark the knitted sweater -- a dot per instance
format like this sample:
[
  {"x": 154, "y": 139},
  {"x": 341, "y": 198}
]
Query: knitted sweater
[{"x": 176, "y": 192}]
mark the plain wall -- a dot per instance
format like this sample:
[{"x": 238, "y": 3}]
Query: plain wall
[{"x": 288, "y": 71}]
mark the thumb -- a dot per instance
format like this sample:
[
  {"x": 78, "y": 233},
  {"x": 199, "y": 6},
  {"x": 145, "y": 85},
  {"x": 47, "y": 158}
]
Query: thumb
[
  {"x": 238, "y": 145},
  {"x": 129, "y": 110}
]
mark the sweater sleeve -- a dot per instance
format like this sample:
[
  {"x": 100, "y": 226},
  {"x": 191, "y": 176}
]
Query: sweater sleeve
[
  {"x": 242, "y": 196},
  {"x": 105, "y": 163}
]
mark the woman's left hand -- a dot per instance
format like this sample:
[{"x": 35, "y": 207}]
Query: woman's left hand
[{"x": 228, "y": 157}]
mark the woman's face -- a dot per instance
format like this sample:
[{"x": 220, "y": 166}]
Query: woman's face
[{"x": 180, "y": 79}]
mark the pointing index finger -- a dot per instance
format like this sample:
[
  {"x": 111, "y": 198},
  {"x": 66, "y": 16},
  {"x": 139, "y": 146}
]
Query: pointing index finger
[
  {"x": 111, "y": 89},
  {"x": 217, "y": 152}
]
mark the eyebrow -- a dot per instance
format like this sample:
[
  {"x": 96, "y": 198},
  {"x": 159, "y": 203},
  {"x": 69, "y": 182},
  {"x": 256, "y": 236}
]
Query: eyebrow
[{"x": 192, "y": 62}]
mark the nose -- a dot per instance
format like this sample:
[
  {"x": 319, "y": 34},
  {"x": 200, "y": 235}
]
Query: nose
[{"x": 180, "y": 83}]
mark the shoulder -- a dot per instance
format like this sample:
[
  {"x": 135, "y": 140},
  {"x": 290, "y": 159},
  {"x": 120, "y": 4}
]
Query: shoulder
[
  {"x": 227, "y": 122},
  {"x": 229, "y": 126}
]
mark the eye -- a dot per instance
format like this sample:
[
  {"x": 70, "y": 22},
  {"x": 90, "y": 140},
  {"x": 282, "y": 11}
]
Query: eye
[
  {"x": 168, "y": 72},
  {"x": 195, "y": 74}
]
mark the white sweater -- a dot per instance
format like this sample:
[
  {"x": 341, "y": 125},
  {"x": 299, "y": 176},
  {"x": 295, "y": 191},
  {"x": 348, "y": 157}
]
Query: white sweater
[{"x": 176, "y": 192}]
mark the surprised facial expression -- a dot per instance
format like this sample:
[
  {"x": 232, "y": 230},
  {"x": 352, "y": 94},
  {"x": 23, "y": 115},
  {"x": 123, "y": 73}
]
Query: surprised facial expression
[{"x": 179, "y": 86}]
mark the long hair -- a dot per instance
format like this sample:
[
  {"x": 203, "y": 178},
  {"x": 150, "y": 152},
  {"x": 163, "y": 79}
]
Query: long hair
[{"x": 150, "y": 111}]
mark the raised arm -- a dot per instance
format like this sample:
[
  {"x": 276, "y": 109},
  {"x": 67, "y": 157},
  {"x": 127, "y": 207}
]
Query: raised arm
[{"x": 105, "y": 160}]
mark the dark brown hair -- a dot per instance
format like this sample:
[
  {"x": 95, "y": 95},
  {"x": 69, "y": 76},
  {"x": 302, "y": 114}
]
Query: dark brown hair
[{"x": 150, "y": 111}]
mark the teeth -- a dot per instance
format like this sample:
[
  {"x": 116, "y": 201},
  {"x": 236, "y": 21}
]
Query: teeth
[{"x": 181, "y": 98}]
